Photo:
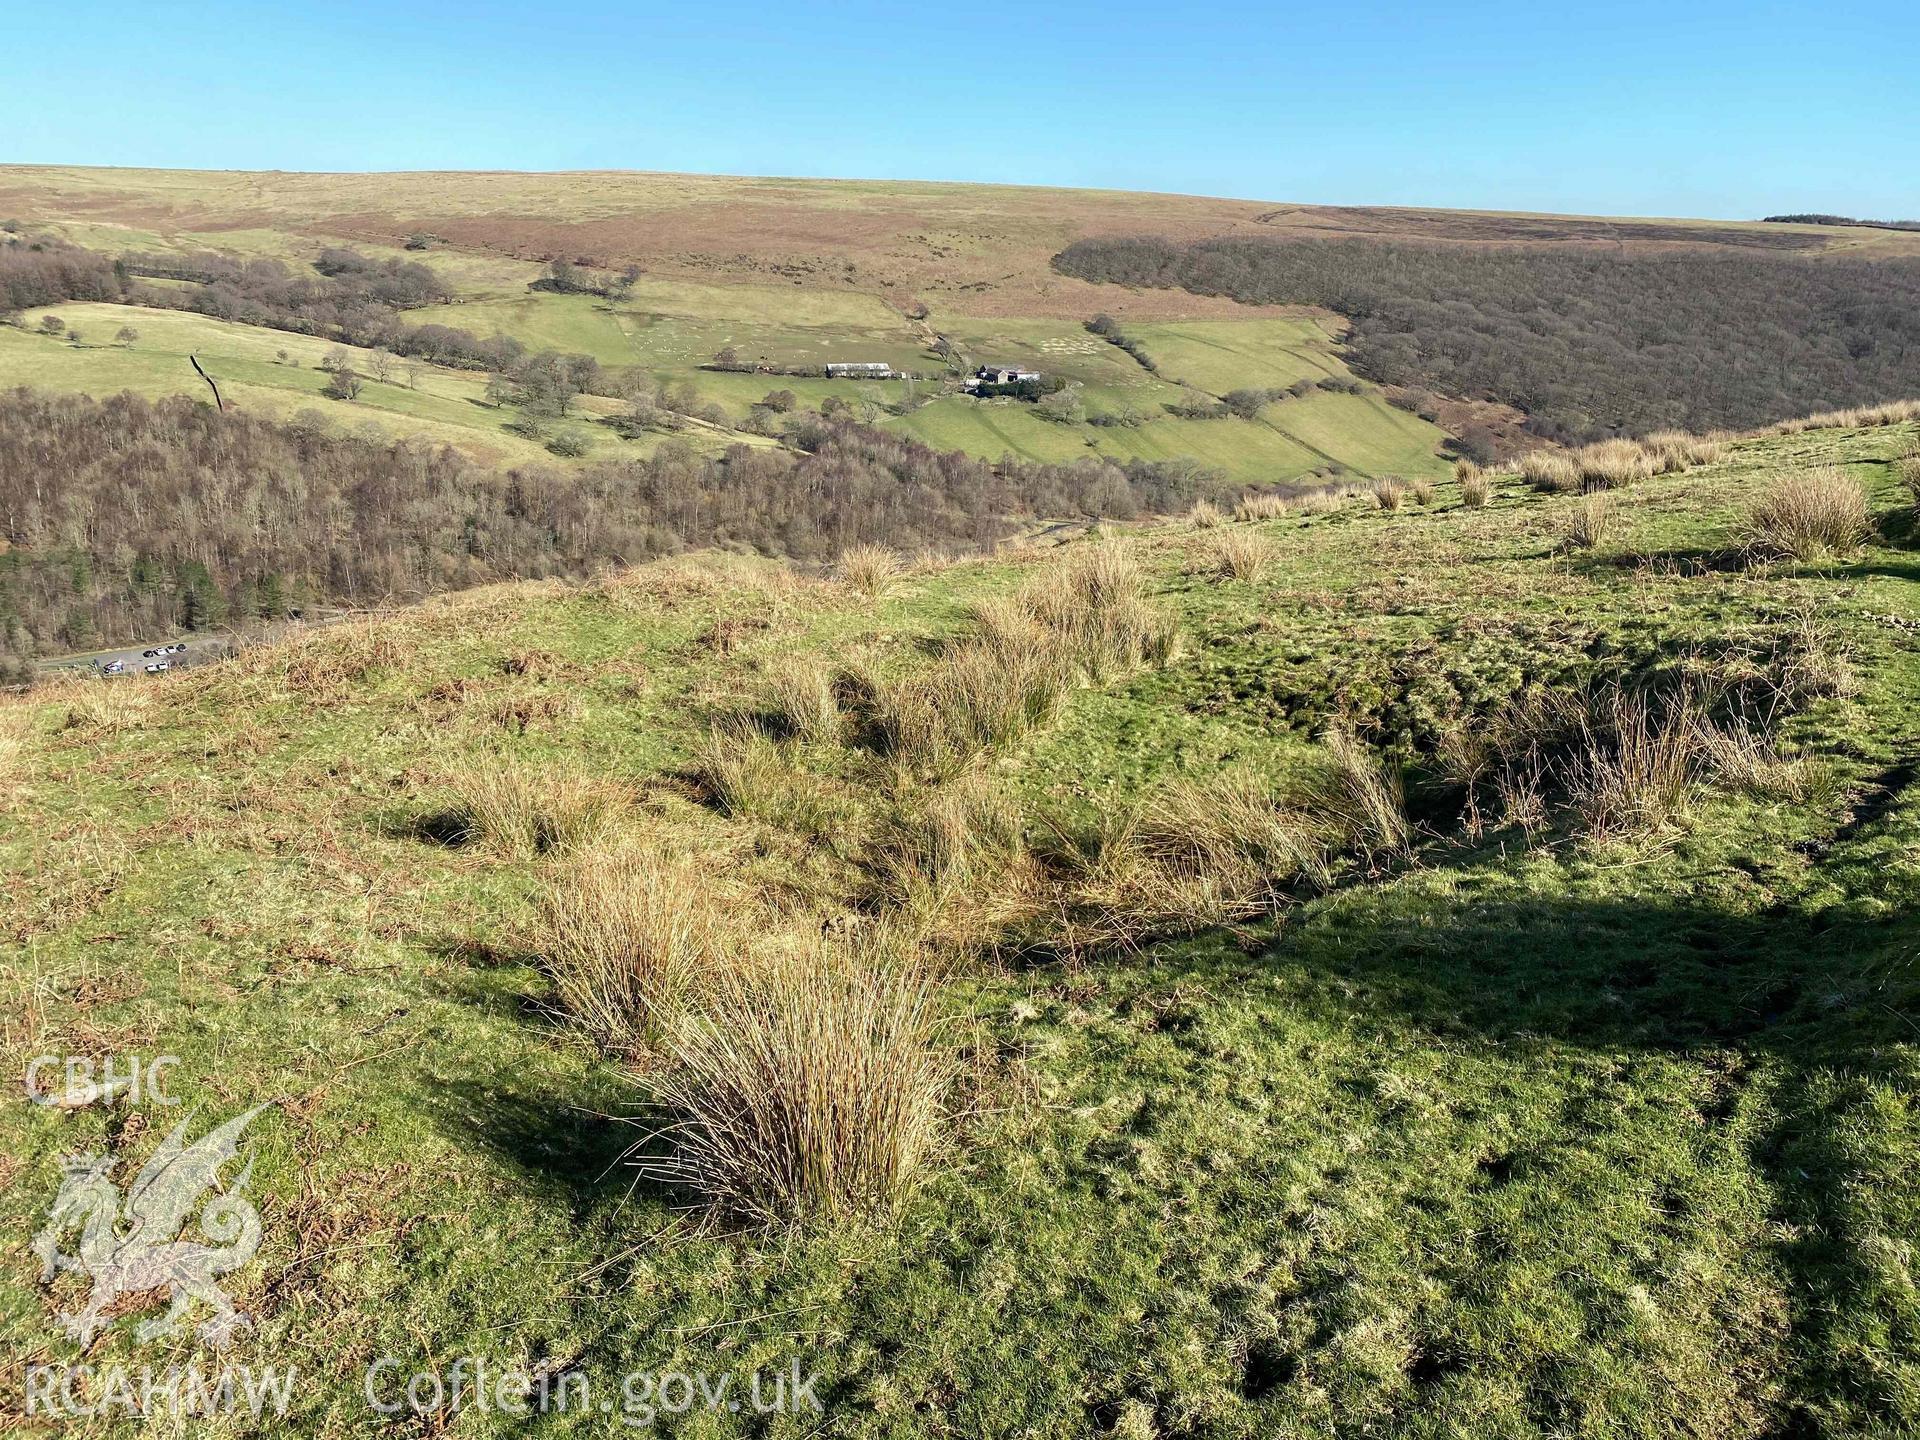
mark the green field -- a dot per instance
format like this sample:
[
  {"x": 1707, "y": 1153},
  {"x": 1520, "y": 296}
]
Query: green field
[
  {"x": 1222, "y": 355},
  {"x": 671, "y": 327},
  {"x": 1361, "y": 435},
  {"x": 1517, "y": 1135},
  {"x": 444, "y": 405}
]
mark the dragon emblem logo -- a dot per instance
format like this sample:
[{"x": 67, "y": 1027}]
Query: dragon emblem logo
[{"x": 133, "y": 1244}]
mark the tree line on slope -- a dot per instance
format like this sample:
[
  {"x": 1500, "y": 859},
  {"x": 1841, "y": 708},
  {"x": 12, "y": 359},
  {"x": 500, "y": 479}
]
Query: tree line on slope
[
  {"x": 124, "y": 519},
  {"x": 1589, "y": 343}
]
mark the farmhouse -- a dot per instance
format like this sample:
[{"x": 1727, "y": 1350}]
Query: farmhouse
[
  {"x": 860, "y": 370},
  {"x": 1003, "y": 375}
]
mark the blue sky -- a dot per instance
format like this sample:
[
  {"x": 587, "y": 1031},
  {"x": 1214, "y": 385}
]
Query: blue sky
[{"x": 1680, "y": 108}]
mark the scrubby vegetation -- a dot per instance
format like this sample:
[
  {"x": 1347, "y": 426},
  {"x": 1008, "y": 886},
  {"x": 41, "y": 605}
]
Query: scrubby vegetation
[{"x": 1587, "y": 342}]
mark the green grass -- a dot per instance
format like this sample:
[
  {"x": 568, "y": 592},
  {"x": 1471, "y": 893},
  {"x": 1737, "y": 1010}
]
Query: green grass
[
  {"x": 1523, "y": 1140},
  {"x": 671, "y": 330},
  {"x": 1222, "y": 355},
  {"x": 445, "y": 405}
]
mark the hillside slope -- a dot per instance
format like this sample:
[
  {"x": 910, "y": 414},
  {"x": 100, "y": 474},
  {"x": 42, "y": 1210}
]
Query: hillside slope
[{"x": 1521, "y": 1129}]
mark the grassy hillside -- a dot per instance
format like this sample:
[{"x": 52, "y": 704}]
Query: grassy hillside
[
  {"x": 445, "y": 405},
  {"x": 797, "y": 272},
  {"x": 673, "y": 330},
  {"x": 1513, "y": 1130}
]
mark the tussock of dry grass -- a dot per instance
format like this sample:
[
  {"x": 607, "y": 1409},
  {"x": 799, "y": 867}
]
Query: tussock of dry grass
[
  {"x": 1611, "y": 464},
  {"x": 336, "y": 657},
  {"x": 1205, "y": 515},
  {"x": 1589, "y": 521},
  {"x": 105, "y": 707},
  {"x": 1220, "y": 851},
  {"x": 1239, "y": 555},
  {"x": 1389, "y": 494},
  {"x": 798, "y": 700},
  {"x": 870, "y": 569},
  {"x": 1550, "y": 471},
  {"x": 1465, "y": 470},
  {"x": 1623, "y": 762},
  {"x": 630, "y": 937},
  {"x": 524, "y": 810},
  {"x": 1362, "y": 794},
  {"x": 1894, "y": 412},
  {"x": 1233, "y": 831},
  {"x": 749, "y": 776},
  {"x": 1808, "y": 515},
  {"x": 13, "y": 744},
  {"x": 813, "y": 1085},
  {"x": 1084, "y": 618},
  {"x": 955, "y": 844},
  {"x": 1261, "y": 507},
  {"x": 1420, "y": 491},
  {"x": 1676, "y": 450},
  {"x": 1476, "y": 489}
]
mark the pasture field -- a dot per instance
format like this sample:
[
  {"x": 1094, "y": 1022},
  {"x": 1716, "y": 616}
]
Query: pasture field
[
  {"x": 1222, "y": 355},
  {"x": 1518, "y": 1134},
  {"x": 670, "y": 331},
  {"x": 444, "y": 404},
  {"x": 813, "y": 274}
]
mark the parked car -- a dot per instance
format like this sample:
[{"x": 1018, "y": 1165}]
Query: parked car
[
  {"x": 114, "y": 667},
  {"x": 154, "y": 667},
  {"x": 177, "y": 648},
  {"x": 148, "y": 654}
]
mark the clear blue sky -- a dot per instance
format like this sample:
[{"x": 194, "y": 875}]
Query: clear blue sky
[{"x": 1678, "y": 108}]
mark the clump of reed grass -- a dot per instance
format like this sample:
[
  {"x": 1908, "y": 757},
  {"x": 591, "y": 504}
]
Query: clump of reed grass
[
  {"x": 1623, "y": 761},
  {"x": 955, "y": 842},
  {"x": 1268, "y": 506},
  {"x": 1239, "y": 555},
  {"x": 1476, "y": 489},
  {"x": 1465, "y": 470},
  {"x": 1589, "y": 521},
  {"x": 525, "y": 810},
  {"x": 1550, "y": 471},
  {"x": 1420, "y": 491},
  {"x": 1364, "y": 797},
  {"x": 749, "y": 776},
  {"x": 1234, "y": 830},
  {"x": 1389, "y": 494},
  {"x": 1808, "y": 515},
  {"x": 1610, "y": 464},
  {"x": 106, "y": 707},
  {"x": 1677, "y": 450},
  {"x": 798, "y": 700},
  {"x": 1205, "y": 515},
  {"x": 630, "y": 937},
  {"x": 1082, "y": 619},
  {"x": 870, "y": 569},
  {"x": 812, "y": 1085},
  {"x": 1893, "y": 412}
]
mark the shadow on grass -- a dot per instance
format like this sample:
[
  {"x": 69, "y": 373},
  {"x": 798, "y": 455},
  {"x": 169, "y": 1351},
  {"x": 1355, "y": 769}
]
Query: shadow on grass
[
  {"x": 574, "y": 1145},
  {"x": 1828, "y": 1002},
  {"x": 450, "y": 827}
]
